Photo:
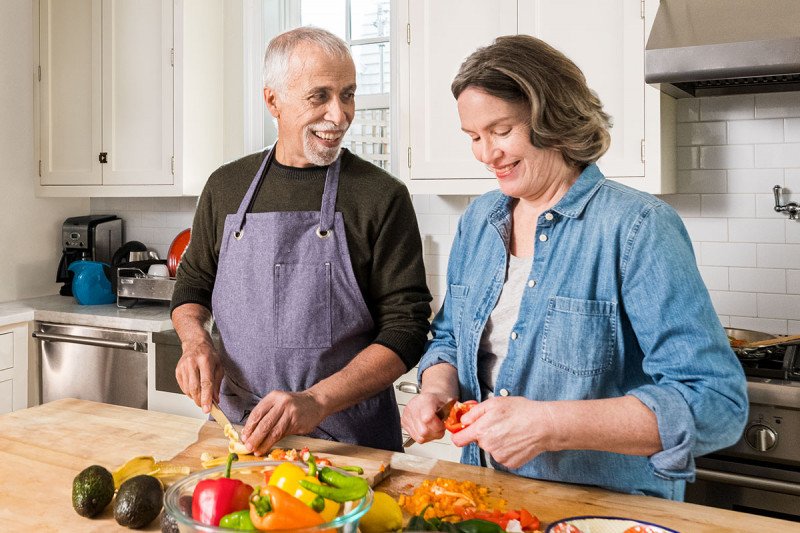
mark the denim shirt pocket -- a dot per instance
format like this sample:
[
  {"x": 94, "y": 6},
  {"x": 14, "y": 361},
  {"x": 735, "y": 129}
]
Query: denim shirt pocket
[
  {"x": 579, "y": 336},
  {"x": 458, "y": 296}
]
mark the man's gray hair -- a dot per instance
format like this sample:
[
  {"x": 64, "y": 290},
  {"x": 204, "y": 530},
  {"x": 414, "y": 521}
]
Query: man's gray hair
[{"x": 280, "y": 48}]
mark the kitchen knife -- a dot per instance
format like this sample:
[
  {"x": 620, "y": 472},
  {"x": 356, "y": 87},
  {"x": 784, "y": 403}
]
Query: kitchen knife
[
  {"x": 225, "y": 424},
  {"x": 442, "y": 413}
]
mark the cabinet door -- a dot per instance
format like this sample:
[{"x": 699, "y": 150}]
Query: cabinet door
[
  {"x": 605, "y": 38},
  {"x": 137, "y": 92},
  {"x": 443, "y": 33},
  {"x": 70, "y": 92}
]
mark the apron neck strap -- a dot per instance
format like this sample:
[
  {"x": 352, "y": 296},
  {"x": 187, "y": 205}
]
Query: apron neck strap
[{"x": 328, "y": 209}]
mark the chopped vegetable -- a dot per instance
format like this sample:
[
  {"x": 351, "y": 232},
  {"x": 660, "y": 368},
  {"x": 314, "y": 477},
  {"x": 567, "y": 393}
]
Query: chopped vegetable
[{"x": 450, "y": 498}]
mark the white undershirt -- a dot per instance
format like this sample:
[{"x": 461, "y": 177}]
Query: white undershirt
[{"x": 495, "y": 336}]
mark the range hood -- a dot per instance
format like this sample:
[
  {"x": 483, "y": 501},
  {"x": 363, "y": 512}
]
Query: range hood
[{"x": 714, "y": 47}]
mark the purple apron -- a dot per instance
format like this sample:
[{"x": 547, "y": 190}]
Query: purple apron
[{"x": 290, "y": 313}]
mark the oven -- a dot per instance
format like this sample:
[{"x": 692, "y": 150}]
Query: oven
[{"x": 760, "y": 474}]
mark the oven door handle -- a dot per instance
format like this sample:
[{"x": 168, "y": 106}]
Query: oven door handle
[
  {"x": 91, "y": 341},
  {"x": 772, "y": 485}
]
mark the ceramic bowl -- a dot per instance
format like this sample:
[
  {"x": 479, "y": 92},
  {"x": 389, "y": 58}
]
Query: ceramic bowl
[{"x": 252, "y": 473}]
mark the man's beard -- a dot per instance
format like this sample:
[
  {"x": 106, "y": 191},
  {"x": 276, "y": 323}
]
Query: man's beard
[{"x": 320, "y": 155}]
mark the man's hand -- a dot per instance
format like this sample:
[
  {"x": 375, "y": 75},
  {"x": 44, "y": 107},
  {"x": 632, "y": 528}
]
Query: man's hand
[
  {"x": 199, "y": 373},
  {"x": 279, "y": 414},
  {"x": 420, "y": 419},
  {"x": 513, "y": 430}
]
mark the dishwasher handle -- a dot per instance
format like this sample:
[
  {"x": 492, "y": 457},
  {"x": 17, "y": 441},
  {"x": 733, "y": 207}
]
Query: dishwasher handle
[{"x": 91, "y": 341}]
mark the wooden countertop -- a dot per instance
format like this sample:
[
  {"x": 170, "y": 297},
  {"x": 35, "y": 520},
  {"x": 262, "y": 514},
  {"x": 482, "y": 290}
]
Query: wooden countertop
[{"x": 43, "y": 448}]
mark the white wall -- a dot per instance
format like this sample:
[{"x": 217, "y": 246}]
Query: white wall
[{"x": 30, "y": 227}]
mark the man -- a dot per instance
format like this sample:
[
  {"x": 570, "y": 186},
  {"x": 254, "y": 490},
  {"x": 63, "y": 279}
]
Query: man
[{"x": 311, "y": 261}]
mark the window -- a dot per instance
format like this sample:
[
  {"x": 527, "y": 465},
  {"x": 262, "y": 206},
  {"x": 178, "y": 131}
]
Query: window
[{"x": 365, "y": 26}]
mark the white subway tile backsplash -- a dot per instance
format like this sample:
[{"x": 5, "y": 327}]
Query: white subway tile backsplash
[
  {"x": 791, "y": 130},
  {"x": 754, "y": 131},
  {"x": 793, "y": 328},
  {"x": 153, "y": 219},
  {"x": 754, "y": 180},
  {"x": 724, "y": 320},
  {"x": 756, "y": 230},
  {"x": 686, "y": 205},
  {"x": 729, "y": 156},
  {"x": 421, "y": 203},
  {"x": 793, "y": 281},
  {"x": 143, "y": 235},
  {"x": 448, "y": 204},
  {"x": 778, "y": 255},
  {"x": 688, "y": 110},
  {"x": 777, "y": 155},
  {"x": 180, "y": 220},
  {"x": 728, "y": 205},
  {"x": 167, "y": 204},
  {"x": 437, "y": 224},
  {"x": 765, "y": 206},
  {"x": 437, "y": 244},
  {"x": 778, "y": 105},
  {"x": 727, "y": 107},
  {"x": 702, "y": 181},
  {"x": 707, "y": 229},
  {"x": 715, "y": 278},
  {"x": 435, "y": 265},
  {"x": 767, "y": 325},
  {"x": 164, "y": 235},
  {"x": 189, "y": 203},
  {"x": 734, "y": 303},
  {"x": 705, "y": 133},
  {"x": 688, "y": 158},
  {"x": 792, "y": 230},
  {"x": 758, "y": 280},
  {"x": 728, "y": 254},
  {"x": 779, "y": 306},
  {"x": 791, "y": 180}
]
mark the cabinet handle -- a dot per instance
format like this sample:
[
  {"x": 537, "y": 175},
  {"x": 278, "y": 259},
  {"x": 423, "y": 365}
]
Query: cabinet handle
[
  {"x": 408, "y": 387},
  {"x": 91, "y": 341}
]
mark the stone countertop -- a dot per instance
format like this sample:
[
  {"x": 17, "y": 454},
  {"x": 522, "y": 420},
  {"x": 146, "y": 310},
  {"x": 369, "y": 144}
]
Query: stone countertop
[{"x": 146, "y": 316}]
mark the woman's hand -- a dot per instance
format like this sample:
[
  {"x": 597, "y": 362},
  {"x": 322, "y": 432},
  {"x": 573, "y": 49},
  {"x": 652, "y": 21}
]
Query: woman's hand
[
  {"x": 513, "y": 430},
  {"x": 420, "y": 419}
]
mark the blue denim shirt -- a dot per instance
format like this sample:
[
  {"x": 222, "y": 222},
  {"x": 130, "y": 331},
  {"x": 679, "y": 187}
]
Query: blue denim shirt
[{"x": 618, "y": 308}]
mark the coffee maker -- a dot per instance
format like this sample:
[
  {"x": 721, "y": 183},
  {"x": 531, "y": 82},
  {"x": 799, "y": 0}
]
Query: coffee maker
[{"x": 89, "y": 237}]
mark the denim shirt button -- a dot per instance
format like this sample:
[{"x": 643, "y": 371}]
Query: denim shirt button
[
  {"x": 514, "y": 335},
  {"x": 548, "y": 216},
  {"x": 542, "y": 237},
  {"x": 531, "y": 283},
  {"x": 503, "y": 392}
]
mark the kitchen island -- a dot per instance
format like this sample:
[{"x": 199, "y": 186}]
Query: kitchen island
[{"x": 43, "y": 448}]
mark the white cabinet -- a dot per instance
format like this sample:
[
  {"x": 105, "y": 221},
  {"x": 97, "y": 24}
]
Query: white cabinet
[
  {"x": 129, "y": 96},
  {"x": 605, "y": 38},
  {"x": 13, "y": 367}
]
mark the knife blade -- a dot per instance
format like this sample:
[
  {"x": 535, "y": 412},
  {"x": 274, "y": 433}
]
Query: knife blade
[{"x": 442, "y": 413}]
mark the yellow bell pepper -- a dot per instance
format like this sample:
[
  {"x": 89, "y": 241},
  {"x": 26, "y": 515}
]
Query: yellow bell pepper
[{"x": 287, "y": 476}]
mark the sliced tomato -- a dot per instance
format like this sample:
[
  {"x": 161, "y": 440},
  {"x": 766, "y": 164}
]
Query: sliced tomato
[
  {"x": 644, "y": 529},
  {"x": 566, "y": 528},
  {"x": 453, "y": 422}
]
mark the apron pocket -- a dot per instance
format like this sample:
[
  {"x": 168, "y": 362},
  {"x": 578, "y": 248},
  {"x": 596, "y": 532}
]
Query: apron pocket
[{"x": 303, "y": 305}]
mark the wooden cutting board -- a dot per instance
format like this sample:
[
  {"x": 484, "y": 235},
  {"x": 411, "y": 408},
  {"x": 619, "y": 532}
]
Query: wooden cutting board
[{"x": 210, "y": 439}]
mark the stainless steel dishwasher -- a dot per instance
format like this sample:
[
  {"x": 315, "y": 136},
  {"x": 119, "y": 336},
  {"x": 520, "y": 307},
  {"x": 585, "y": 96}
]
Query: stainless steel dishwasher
[{"x": 92, "y": 363}]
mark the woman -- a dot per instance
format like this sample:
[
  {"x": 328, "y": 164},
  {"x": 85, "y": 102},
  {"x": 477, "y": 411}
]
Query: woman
[{"x": 575, "y": 312}]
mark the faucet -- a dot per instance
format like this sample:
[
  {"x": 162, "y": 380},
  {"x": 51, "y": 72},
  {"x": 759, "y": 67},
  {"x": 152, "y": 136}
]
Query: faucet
[{"x": 792, "y": 208}]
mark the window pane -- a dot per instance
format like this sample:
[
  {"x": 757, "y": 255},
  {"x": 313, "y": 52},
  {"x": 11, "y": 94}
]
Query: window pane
[
  {"x": 372, "y": 68},
  {"x": 368, "y": 137},
  {"x": 327, "y": 14},
  {"x": 369, "y": 18}
]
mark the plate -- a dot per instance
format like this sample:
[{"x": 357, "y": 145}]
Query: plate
[
  {"x": 605, "y": 524},
  {"x": 176, "y": 250}
]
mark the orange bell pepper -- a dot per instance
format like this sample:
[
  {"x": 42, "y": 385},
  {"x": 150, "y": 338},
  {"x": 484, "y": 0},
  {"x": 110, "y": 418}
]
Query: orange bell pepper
[{"x": 273, "y": 508}]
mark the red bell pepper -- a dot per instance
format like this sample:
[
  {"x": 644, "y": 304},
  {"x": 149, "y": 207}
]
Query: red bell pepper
[
  {"x": 214, "y": 498},
  {"x": 453, "y": 422}
]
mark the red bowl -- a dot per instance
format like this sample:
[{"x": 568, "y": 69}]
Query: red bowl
[{"x": 176, "y": 251}]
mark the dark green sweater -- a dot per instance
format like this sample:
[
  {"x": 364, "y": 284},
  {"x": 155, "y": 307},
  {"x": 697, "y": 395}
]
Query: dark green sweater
[{"x": 380, "y": 224}]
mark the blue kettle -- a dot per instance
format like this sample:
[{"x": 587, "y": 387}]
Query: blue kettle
[{"x": 90, "y": 286}]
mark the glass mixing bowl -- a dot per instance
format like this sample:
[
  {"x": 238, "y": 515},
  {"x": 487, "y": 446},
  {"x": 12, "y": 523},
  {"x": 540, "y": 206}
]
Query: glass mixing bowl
[{"x": 252, "y": 472}]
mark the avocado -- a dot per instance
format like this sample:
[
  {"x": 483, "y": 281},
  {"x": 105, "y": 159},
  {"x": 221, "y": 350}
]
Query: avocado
[
  {"x": 139, "y": 501},
  {"x": 92, "y": 490}
]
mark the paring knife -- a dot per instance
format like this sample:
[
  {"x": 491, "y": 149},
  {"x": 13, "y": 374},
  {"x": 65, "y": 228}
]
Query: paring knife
[{"x": 443, "y": 412}]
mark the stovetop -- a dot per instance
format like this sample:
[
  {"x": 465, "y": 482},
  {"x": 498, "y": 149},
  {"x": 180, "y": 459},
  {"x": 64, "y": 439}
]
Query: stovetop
[{"x": 775, "y": 362}]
